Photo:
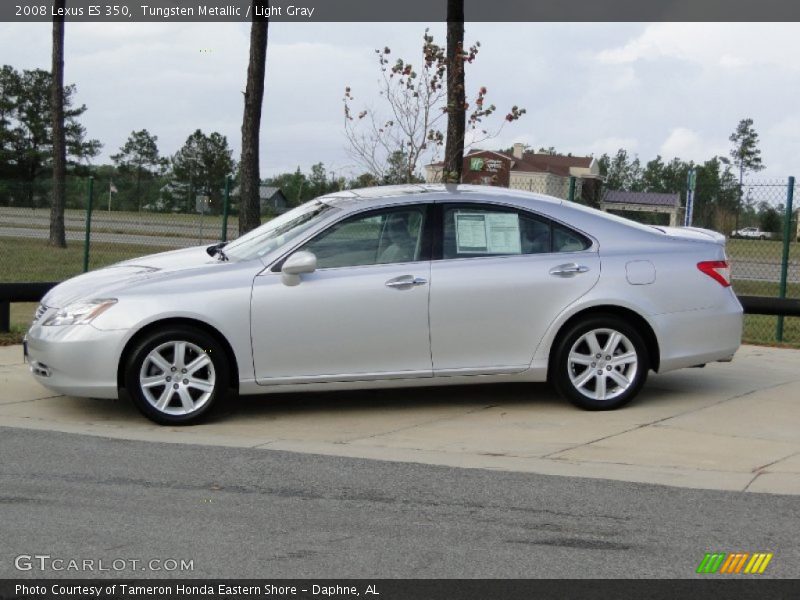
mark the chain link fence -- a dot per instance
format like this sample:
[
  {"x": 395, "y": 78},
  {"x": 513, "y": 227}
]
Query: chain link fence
[
  {"x": 764, "y": 252},
  {"x": 116, "y": 230},
  {"x": 763, "y": 245}
]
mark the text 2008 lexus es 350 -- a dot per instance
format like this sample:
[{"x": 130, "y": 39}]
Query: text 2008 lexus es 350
[{"x": 395, "y": 286}]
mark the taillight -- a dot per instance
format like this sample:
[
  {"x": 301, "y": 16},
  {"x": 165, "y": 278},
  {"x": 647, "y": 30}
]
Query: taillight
[{"x": 718, "y": 270}]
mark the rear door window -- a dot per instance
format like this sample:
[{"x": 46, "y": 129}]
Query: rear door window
[{"x": 483, "y": 230}]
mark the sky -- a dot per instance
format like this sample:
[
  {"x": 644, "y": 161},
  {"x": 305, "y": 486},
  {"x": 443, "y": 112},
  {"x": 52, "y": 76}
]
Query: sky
[{"x": 674, "y": 89}]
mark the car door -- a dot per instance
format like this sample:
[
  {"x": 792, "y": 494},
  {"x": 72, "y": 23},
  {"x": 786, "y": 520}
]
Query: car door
[
  {"x": 500, "y": 277},
  {"x": 363, "y": 314}
]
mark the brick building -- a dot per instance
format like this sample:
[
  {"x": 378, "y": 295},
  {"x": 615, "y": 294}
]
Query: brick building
[{"x": 544, "y": 173}]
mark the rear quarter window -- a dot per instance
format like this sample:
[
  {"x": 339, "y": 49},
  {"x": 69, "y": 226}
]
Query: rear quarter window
[
  {"x": 567, "y": 240},
  {"x": 486, "y": 230}
]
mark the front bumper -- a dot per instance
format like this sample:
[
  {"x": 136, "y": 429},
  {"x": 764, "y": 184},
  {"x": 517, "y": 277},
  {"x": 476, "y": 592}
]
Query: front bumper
[{"x": 75, "y": 360}]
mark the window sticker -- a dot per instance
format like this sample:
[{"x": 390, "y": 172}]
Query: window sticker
[
  {"x": 503, "y": 233},
  {"x": 487, "y": 233},
  {"x": 471, "y": 233}
]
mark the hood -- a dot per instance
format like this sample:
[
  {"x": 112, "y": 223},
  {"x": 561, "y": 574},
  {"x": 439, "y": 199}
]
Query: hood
[
  {"x": 696, "y": 234},
  {"x": 104, "y": 282}
]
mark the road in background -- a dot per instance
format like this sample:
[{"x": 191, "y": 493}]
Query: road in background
[
  {"x": 763, "y": 270},
  {"x": 178, "y": 229},
  {"x": 157, "y": 242}
]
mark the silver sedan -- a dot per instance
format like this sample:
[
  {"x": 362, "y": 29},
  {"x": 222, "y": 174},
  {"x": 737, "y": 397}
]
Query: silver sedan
[{"x": 390, "y": 287}]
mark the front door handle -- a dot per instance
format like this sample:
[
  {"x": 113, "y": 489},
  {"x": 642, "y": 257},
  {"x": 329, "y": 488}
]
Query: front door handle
[
  {"x": 568, "y": 270},
  {"x": 405, "y": 282}
]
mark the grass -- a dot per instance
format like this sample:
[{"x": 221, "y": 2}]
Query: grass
[
  {"x": 745, "y": 287},
  {"x": 760, "y": 329},
  {"x": 21, "y": 316},
  {"x": 760, "y": 250},
  {"x": 33, "y": 260}
]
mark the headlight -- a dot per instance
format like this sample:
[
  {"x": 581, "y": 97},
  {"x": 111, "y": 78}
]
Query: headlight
[
  {"x": 80, "y": 312},
  {"x": 40, "y": 310}
]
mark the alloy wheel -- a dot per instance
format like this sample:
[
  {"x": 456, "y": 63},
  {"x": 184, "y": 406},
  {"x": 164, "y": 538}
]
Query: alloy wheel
[
  {"x": 177, "y": 378},
  {"x": 602, "y": 364}
]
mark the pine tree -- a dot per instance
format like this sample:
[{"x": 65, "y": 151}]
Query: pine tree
[{"x": 745, "y": 155}]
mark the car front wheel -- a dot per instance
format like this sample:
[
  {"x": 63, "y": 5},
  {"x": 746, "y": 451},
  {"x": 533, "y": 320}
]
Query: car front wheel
[
  {"x": 600, "y": 363},
  {"x": 177, "y": 375}
]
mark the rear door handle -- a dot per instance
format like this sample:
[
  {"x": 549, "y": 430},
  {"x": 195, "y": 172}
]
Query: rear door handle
[
  {"x": 405, "y": 282},
  {"x": 568, "y": 270}
]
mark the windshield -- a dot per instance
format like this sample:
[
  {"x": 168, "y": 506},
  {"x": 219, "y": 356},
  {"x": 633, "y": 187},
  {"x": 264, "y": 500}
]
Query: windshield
[{"x": 278, "y": 231}]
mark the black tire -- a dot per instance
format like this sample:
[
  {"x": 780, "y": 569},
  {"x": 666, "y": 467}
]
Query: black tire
[
  {"x": 214, "y": 375},
  {"x": 561, "y": 367}
]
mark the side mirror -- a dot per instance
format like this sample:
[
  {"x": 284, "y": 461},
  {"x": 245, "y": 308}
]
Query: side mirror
[{"x": 297, "y": 264}]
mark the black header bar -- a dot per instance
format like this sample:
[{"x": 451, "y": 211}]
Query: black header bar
[{"x": 425, "y": 11}]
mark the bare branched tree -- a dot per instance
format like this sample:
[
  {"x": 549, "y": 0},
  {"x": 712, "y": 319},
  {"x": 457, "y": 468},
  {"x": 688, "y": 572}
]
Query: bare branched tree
[
  {"x": 411, "y": 116},
  {"x": 407, "y": 126}
]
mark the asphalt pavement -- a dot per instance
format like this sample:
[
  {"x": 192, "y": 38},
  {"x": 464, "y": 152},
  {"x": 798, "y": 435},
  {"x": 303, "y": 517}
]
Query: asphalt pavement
[{"x": 260, "y": 513}]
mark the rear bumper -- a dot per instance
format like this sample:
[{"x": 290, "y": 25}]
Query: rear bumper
[
  {"x": 696, "y": 337},
  {"x": 75, "y": 360}
]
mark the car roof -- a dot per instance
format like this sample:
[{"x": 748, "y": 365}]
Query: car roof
[
  {"x": 584, "y": 218},
  {"x": 398, "y": 194}
]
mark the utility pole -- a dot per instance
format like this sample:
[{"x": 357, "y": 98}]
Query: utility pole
[{"x": 691, "y": 182}]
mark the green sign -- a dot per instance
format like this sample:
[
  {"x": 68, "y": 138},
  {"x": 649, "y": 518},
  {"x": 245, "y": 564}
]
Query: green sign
[{"x": 476, "y": 164}]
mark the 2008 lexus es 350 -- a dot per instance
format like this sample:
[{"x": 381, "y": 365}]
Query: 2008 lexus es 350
[{"x": 395, "y": 286}]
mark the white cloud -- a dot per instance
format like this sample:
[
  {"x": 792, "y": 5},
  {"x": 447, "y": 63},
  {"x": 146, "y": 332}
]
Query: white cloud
[
  {"x": 677, "y": 89},
  {"x": 788, "y": 127},
  {"x": 734, "y": 62},
  {"x": 609, "y": 145},
  {"x": 681, "y": 142},
  {"x": 728, "y": 45},
  {"x": 622, "y": 79},
  {"x": 690, "y": 145}
]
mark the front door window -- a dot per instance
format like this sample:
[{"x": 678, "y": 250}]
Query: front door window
[{"x": 383, "y": 237}]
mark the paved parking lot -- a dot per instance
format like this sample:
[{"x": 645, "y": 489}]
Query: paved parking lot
[
  {"x": 729, "y": 426},
  {"x": 266, "y": 514}
]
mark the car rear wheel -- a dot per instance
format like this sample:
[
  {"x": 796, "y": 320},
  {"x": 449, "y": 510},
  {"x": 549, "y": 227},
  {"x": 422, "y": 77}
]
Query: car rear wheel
[
  {"x": 600, "y": 363},
  {"x": 177, "y": 376}
]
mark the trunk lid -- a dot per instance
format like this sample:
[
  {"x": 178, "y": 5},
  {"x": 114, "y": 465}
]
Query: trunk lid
[{"x": 696, "y": 234}]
